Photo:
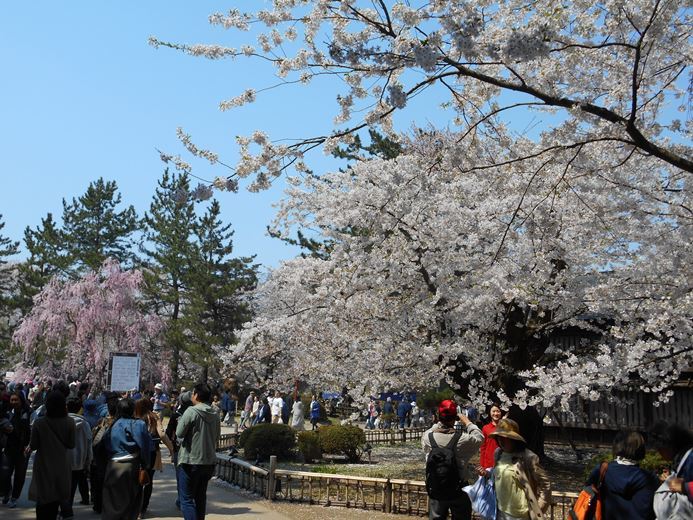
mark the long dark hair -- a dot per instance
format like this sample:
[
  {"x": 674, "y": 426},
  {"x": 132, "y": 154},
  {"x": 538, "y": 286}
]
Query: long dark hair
[
  {"x": 23, "y": 405},
  {"x": 125, "y": 409}
]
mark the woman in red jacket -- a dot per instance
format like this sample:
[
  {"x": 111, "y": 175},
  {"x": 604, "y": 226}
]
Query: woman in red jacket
[{"x": 488, "y": 447}]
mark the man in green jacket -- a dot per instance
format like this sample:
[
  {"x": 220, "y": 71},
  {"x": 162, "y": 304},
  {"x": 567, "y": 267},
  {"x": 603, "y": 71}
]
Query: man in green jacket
[{"x": 198, "y": 430}]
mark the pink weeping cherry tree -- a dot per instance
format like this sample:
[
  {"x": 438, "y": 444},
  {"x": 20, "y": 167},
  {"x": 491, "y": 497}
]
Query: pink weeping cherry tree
[{"x": 75, "y": 325}]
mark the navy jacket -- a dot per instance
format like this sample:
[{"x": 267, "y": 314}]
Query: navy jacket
[{"x": 627, "y": 492}]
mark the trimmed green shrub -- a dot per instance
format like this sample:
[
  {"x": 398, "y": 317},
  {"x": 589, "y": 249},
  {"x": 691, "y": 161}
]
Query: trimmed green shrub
[
  {"x": 309, "y": 446},
  {"x": 263, "y": 440},
  {"x": 343, "y": 440}
]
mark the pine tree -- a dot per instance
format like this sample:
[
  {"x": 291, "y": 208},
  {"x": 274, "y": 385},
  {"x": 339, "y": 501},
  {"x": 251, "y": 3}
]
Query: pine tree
[
  {"x": 47, "y": 258},
  {"x": 218, "y": 285},
  {"x": 169, "y": 227},
  {"x": 192, "y": 281},
  {"x": 94, "y": 229}
]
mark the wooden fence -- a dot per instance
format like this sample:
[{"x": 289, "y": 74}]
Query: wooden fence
[
  {"x": 226, "y": 440},
  {"x": 394, "y": 436},
  {"x": 403, "y": 497},
  {"x": 627, "y": 409}
]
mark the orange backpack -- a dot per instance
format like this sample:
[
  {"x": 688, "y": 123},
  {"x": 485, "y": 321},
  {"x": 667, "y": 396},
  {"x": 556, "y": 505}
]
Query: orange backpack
[{"x": 588, "y": 505}]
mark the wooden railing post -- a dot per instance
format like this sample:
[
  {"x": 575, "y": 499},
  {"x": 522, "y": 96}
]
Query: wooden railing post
[
  {"x": 387, "y": 496},
  {"x": 271, "y": 478}
]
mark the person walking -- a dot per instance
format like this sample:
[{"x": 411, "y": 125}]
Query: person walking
[
  {"x": 403, "y": 412},
  {"x": 129, "y": 447},
  {"x": 257, "y": 404},
  {"x": 523, "y": 490},
  {"x": 627, "y": 490},
  {"x": 185, "y": 403},
  {"x": 198, "y": 429},
  {"x": 298, "y": 420},
  {"x": 277, "y": 406},
  {"x": 228, "y": 408},
  {"x": 159, "y": 400},
  {"x": 247, "y": 411},
  {"x": 143, "y": 411},
  {"x": 388, "y": 413},
  {"x": 52, "y": 437},
  {"x": 97, "y": 470},
  {"x": 314, "y": 412},
  {"x": 370, "y": 411},
  {"x": 446, "y": 476},
  {"x": 14, "y": 458},
  {"x": 81, "y": 456},
  {"x": 264, "y": 413}
]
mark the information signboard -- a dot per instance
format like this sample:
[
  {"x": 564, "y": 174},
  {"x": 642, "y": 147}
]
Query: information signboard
[{"x": 124, "y": 372}]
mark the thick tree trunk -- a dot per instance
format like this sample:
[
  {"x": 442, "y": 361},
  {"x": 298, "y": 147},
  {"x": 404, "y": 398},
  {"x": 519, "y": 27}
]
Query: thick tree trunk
[{"x": 531, "y": 424}]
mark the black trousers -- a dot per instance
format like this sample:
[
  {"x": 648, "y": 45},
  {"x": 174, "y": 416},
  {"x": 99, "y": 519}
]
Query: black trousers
[
  {"x": 47, "y": 511},
  {"x": 80, "y": 480},
  {"x": 147, "y": 491},
  {"x": 460, "y": 508},
  {"x": 97, "y": 473},
  {"x": 14, "y": 462}
]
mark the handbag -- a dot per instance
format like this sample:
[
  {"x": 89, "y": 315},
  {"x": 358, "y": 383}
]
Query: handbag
[
  {"x": 143, "y": 477},
  {"x": 669, "y": 505},
  {"x": 588, "y": 505},
  {"x": 483, "y": 497}
]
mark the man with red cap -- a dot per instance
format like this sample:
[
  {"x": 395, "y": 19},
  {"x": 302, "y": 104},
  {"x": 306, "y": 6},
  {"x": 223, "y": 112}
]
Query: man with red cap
[{"x": 447, "y": 453}]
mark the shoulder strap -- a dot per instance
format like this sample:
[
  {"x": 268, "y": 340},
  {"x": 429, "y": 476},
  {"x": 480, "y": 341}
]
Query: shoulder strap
[
  {"x": 453, "y": 442},
  {"x": 432, "y": 441},
  {"x": 683, "y": 460},
  {"x": 602, "y": 472}
]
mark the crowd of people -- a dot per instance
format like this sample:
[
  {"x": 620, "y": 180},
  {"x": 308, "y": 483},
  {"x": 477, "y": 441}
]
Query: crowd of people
[
  {"x": 513, "y": 479},
  {"x": 276, "y": 408},
  {"x": 107, "y": 446},
  {"x": 402, "y": 414}
]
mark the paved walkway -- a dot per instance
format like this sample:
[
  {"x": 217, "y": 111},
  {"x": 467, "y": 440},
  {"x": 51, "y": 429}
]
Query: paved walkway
[{"x": 221, "y": 503}]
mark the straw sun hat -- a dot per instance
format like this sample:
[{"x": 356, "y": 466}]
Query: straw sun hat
[{"x": 509, "y": 429}]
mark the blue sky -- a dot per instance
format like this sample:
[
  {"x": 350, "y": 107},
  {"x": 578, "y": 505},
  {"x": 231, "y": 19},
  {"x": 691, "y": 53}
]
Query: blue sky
[{"x": 83, "y": 95}]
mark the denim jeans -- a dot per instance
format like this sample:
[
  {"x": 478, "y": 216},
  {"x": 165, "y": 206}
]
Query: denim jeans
[{"x": 192, "y": 489}]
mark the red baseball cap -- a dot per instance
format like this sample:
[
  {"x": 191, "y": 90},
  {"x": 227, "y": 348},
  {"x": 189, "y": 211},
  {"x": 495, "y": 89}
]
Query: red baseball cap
[{"x": 447, "y": 409}]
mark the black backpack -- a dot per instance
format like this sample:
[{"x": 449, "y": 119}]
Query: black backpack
[{"x": 442, "y": 474}]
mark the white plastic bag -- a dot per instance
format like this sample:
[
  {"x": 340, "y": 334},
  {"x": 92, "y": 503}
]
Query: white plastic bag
[{"x": 483, "y": 496}]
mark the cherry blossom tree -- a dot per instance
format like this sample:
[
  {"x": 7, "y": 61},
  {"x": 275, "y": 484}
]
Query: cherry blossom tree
[
  {"x": 599, "y": 73},
  {"x": 74, "y": 326},
  {"x": 533, "y": 282},
  {"x": 479, "y": 255}
]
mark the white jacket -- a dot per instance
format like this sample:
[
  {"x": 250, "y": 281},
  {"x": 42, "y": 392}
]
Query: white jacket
[{"x": 277, "y": 405}]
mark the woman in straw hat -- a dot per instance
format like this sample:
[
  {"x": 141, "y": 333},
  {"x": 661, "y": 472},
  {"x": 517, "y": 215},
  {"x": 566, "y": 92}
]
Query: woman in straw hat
[{"x": 523, "y": 490}]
